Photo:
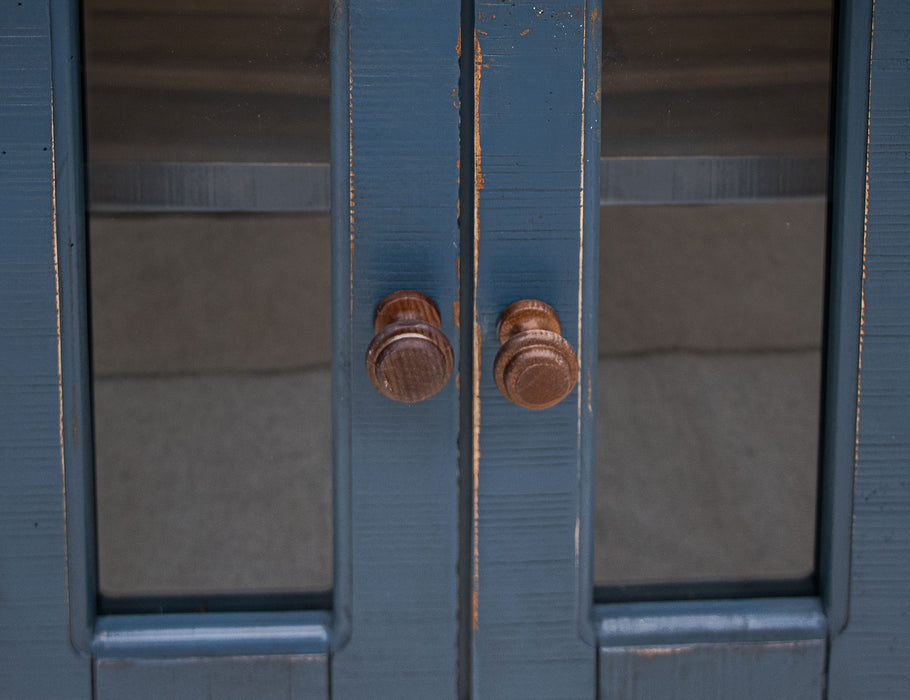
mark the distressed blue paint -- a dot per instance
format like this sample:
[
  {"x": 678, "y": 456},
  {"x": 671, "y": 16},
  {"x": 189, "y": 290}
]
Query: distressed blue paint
[
  {"x": 871, "y": 656},
  {"x": 536, "y": 77},
  {"x": 205, "y": 634},
  {"x": 749, "y": 649},
  {"x": 714, "y": 621},
  {"x": 395, "y": 156},
  {"x": 74, "y": 324},
  {"x": 848, "y": 165},
  {"x": 715, "y": 671},
  {"x": 37, "y": 659},
  {"x": 292, "y": 677},
  {"x": 523, "y": 644}
]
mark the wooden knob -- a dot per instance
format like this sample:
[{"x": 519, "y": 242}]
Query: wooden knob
[
  {"x": 409, "y": 358},
  {"x": 535, "y": 367}
]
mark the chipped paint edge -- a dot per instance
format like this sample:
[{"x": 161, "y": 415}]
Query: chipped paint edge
[{"x": 475, "y": 387}]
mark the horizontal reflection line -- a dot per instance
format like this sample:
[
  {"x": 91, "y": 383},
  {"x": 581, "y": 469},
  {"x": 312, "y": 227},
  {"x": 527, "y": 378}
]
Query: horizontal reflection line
[
  {"x": 327, "y": 367},
  {"x": 708, "y": 352},
  {"x": 200, "y": 374},
  {"x": 117, "y": 187}
]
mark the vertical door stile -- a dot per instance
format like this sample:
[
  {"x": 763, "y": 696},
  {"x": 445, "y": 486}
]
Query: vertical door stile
[
  {"x": 870, "y": 647},
  {"x": 536, "y": 149},
  {"x": 43, "y": 602},
  {"x": 395, "y": 226}
]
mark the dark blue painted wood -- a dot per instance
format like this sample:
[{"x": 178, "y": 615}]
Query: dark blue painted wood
[
  {"x": 37, "y": 657},
  {"x": 74, "y": 324},
  {"x": 749, "y": 650},
  {"x": 395, "y": 588},
  {"x": 273, "y": 677},
  {"x": 174, "y": 636},
  {"x": 536, "y": 153},
  {"x": 395, "y": 156},
  {"x": 252, "y": 655},
  {"x": 848, "y": 165},
  {"x": 871, "y": 656}
]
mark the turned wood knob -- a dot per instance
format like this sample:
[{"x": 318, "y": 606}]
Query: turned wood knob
[
  {"x": 409, "y": 358},
  {"x": 535, "y": 367}
]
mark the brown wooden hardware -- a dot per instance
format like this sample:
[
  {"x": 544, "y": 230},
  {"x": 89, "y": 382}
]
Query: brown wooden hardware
[
  {"x": 535, "y": 367},
  {"x": 409, "y": 358}
]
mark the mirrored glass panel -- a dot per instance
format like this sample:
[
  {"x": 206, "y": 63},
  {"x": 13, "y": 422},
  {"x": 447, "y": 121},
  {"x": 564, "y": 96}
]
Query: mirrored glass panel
[
  {"x": 208, "y": 137},
  {"x": 712, "y": 276}
]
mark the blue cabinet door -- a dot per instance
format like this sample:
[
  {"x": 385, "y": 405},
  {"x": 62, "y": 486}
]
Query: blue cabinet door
[
  {"x": 393, "y": 626},
  {"x": 465, "y": 160}
]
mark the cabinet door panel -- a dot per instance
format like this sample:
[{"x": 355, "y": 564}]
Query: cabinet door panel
[
  {"x": 535, "y": 215},
  {"x": 395, "y": 159}
]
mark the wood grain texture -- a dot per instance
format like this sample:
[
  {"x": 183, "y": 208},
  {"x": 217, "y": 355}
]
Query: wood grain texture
[
  {"x": 536, "y": 82},
  {"x": 37, "y": 659},
  {"x": 871, "y": 657},
  {"x": 750, "y": 649},
  {"x": 396, "y": 156}
]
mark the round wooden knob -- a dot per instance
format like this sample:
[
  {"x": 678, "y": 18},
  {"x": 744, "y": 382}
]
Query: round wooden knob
[
  {"x": 535, "y": 367},
  {"x": 409, "y": 358}
]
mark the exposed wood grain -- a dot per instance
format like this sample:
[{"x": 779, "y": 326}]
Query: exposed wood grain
[
  {"x": 37, "y": 659},
  {"x": 535, "y": 80},
  {"x": 871, "y": 657},
  {"x": 396, "y": 145}
]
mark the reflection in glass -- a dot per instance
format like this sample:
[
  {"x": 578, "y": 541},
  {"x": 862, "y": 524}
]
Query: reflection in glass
[
  {"x": 709, "y": 370},
  {"x": 711, "y": 313},
  {"x": 715, "y": 78},
  {"x": 211, "y": 331},
  {"x": 207, "y": 80}
]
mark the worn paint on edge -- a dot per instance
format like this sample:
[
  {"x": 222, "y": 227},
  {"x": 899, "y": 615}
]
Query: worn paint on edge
[
  {"x": 475, "y": 389},
  {"x": 56, "y": 263},
  {"x": 650, "y": 652},
  {"x": 581, "y": 258},
  {"x": 351, "y": 201},
  {"x": 862, "y": 315}
]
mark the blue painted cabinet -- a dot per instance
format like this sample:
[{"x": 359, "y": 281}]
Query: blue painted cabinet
[{"x": 465, "y": 161}]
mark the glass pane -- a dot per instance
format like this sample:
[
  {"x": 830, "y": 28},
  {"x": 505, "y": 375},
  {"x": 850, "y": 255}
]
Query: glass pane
[
  {"x": 711, "y": 312},
  {"x": 236, "y": 80},
  {"x": 211, "y": 329},
  {"x": 707, "y": 77}
]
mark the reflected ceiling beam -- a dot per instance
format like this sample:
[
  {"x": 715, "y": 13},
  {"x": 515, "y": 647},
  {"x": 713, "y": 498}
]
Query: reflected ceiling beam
[{"x": 175, "y": 187}]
